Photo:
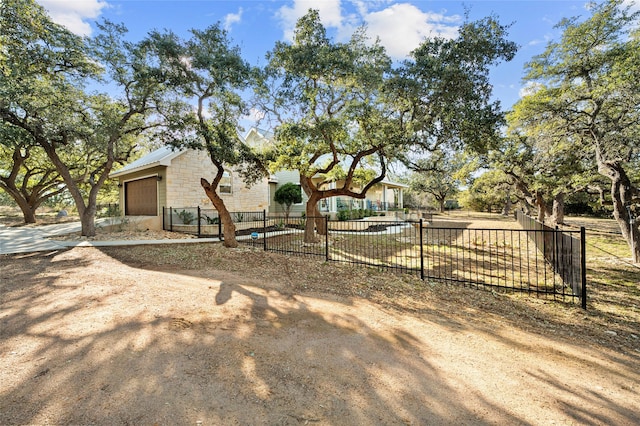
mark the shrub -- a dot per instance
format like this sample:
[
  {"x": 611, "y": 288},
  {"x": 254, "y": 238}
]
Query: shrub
[
  {"x": 211, "y": 220},
  {"x": 344, "y": 215},
  {"x": 186, "y": 217},
  {"x": 288, "y": 194}
]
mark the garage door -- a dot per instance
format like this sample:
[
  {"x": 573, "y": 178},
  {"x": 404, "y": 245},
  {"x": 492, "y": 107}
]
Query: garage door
[{"x": 141, "y": 197}]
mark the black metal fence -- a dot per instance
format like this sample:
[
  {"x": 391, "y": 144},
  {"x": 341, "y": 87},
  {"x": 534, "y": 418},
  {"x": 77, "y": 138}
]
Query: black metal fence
[
  {"x": 499, "y": 259},
  {"x": 206, "y": 223},
  {"x": 563, "y": 250}
]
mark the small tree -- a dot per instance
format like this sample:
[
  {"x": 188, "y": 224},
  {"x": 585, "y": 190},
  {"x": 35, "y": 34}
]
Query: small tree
[
  {"x": 288, "y": 194},
  {"x": 207, "y": 71}
]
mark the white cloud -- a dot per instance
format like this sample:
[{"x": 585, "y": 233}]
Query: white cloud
[
  {"x": 529, "y": 89},
  {"x": 402, "y": 27},
  {"x": 546, "y": 39},
  {"x": 73, "y": 13},
  {"x": 329, "y": 10},
  {"x": 232, "y": 18}
]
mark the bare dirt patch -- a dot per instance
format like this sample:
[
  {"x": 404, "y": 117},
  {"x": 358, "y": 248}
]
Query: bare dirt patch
[{"x": 200, "y": 334}]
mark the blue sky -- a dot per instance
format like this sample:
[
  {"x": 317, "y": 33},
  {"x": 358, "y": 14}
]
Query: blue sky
[{"x": 256, "y": 25}]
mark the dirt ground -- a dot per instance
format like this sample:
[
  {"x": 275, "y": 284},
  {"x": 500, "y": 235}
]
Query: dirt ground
[{"x": 203, "y": 335}]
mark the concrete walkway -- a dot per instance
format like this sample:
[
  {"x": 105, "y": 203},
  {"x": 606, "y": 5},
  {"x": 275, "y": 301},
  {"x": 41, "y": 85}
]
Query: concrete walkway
[{"x": 27, "y": 239}]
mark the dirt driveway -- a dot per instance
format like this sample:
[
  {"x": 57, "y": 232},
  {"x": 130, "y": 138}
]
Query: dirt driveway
[{"x": 144, "y": 336}]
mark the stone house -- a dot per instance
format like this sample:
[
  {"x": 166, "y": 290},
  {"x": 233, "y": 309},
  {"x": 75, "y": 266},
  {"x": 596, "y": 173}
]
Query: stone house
[
  {"x": 171, "y": 178},
  {"x": 168, "y": 178}
]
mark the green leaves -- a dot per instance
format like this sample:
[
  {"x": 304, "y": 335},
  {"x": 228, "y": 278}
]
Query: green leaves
[
  {"x": 446, "y": 90},
  {"x": 585, "y": 112},
  {"x": 327, "y": 100},
  {"x": 204, "y": 76}
]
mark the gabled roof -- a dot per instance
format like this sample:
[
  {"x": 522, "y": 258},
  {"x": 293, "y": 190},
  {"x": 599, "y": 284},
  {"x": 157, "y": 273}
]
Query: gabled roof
[
  {"x": 160, "y": 157},
  {"x": 265, "y": 134}
]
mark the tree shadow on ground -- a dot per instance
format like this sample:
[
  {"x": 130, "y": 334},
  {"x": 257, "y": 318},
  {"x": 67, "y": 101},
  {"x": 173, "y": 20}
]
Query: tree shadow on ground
[
  {"x": 221, "y": 353},
  {"x": 219, "y": 348}
]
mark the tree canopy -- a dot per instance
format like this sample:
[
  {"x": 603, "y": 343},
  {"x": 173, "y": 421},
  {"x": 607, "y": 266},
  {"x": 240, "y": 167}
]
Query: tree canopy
[
  {"x": 44, "y": 70},
  {"x": 331, "y": 114},
  {"x": 29, "y": 178},
  {"x": 586, "y": 89},
  {"x": 207, "y": 71},
  {"x": 343, "y": 106}
]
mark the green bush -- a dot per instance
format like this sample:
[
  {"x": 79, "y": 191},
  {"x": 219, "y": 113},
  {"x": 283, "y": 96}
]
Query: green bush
[
  {"x": 344, "y": 215},
  {"x": 186, "y": 217},
  {"x": 288, "y": 194}
]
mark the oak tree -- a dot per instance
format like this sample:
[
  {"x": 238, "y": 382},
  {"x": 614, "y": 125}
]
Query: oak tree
[
  {"x": 205, "y": 76},
  {"x": 589, "y": 90}
]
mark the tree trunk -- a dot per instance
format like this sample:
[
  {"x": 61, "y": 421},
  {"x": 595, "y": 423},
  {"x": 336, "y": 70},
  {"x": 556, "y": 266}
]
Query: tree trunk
[
  {"x": 311, "y": 210},
  {"x": 441, "y": 204},
  {"x": 310, "y": 225},
  {"x": 506, "y": 210},
  {"x": 321, "y": 224},
  {"x": 28, "y": 211},
  {"x": 558, "y": 209},
  {"x": 87, "y": 212},
  {"x": 541, "y": 206},
  {"x": 87, "y": 220},
  {"x": 622, "y": 193},
  {"x": 228, "y": 227},
  {"x": 29, "y": 216}
]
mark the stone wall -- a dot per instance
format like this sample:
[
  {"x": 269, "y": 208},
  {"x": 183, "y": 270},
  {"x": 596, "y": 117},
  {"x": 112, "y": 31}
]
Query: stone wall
[{"x": 184, "y": 190}]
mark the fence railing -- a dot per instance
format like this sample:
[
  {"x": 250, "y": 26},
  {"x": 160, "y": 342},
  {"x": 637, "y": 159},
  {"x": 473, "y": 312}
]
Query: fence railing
[
  {"x": 564, "y": 250},
  {"x": 501, "y": 259}
]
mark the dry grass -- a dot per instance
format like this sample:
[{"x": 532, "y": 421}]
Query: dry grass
[
  {"x": 611, "y": 319},
  {"x": 613, "y": 285}
]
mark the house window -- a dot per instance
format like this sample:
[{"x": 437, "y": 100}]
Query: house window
[{"x": 224, "y": 187}]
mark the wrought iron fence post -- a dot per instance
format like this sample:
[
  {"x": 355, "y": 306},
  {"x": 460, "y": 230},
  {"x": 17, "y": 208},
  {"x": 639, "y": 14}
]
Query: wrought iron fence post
[
  {"x": 556, "y": 254},
  {"x": 219, "y": 227},
  {"x": 171, "y": 219},
  {"x": 583, "y": 264},
  {"x": 421, "y": 253},
  {"x": 199, "y": 217},
  {"x": 164, "y": 216},
  {"x": 326, "y": 238},
  {"x": 264, "y": 229}
]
